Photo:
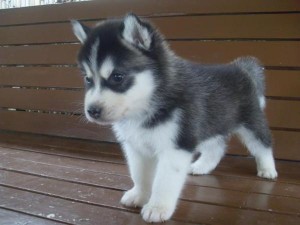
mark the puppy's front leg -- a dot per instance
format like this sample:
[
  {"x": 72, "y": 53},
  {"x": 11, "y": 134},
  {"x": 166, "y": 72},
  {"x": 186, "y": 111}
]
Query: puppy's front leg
[
  {"x": 141, "y": 170},
  {"x": 169, "y": 179}
]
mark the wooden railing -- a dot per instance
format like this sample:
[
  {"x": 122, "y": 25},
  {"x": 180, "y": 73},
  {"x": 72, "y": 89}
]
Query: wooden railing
[{"x": 41, "y": 90}]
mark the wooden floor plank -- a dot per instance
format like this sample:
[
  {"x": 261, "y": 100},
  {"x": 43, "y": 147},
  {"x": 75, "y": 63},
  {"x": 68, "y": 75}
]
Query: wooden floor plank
[
  {"x": 246, "y": 185},
  {"x": 192, "y": 193},
  {"x": 214, "y": 214},
  {"x": 69, "y": 153},
  {"x": 64, "y": 173},
  {"x": 97, "y": 152},
  {"x": 94, "y": 166},
  {"x": 259, "y": 185},
  {"x": 109, "y": 197},
  {"x": 222, "y": 215},
  {"x": 30, "y": 140},
  {"x": 248, "y": 172},
  {"x": 273, "y": 203},
  {"x": 222, "y": 197},
  {"x": 8, "y": 217},
  {"x": 123, "y": 182},
  {"x": 65, "y": 210},
  {"x": 230, "y": 166},
  {"x": 221, "y": 182}
]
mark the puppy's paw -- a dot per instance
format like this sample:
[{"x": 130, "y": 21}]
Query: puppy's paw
[
  {"x": 269, "y": 173},
  {"x": 157, "y": 213},
  {"x": 134, "y": 198},
  {"x": 199, "y": 169}
]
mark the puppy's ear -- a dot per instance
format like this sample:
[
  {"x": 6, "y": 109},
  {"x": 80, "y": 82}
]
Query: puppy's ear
[
  {"x": 81, "y": 31},
  {"x": 136, "y": 32}
]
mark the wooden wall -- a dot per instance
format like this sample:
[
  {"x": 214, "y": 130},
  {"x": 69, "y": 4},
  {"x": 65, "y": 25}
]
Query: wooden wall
[{"x": 41, "y": 90}]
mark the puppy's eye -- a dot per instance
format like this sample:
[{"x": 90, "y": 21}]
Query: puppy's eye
[
  {"x": 88, "y": 80},
  {"x": 116, "y": 78}
]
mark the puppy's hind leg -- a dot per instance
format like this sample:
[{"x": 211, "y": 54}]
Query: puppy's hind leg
[
  {"x": 212, "y": 151},
  {"x": 258, "y": 142}
]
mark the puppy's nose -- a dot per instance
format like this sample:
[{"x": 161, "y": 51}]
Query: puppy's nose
[{"x": 94, "y": 112}]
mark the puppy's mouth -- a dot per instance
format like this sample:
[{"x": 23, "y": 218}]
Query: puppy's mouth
[
  {"x": 103, "y": 123},
  {"x": 100, "y": 121}
]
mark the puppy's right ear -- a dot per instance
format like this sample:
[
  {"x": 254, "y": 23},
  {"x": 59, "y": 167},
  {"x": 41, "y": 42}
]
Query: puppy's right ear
[
  {"x": 81, "y": 31},
  {"x": 137, "y": 32}
]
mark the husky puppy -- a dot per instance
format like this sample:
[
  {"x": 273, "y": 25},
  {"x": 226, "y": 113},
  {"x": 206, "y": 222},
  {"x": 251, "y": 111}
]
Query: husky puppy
[{"x": 163, "y": 109}]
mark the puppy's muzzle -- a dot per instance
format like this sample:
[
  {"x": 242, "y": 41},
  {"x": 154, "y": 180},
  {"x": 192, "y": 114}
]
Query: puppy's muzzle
[{"x": 94, "y": 112}]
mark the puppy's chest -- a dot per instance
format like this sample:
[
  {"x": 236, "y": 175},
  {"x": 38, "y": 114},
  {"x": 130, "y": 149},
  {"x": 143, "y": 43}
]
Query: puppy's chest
[{"x": 149, "y": 141}]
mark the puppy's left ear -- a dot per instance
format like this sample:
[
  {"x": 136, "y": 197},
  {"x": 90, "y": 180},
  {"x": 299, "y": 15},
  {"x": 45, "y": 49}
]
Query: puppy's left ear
[
  {"x": 81, "y": 31},
  {"x": 136, "y": 32}
]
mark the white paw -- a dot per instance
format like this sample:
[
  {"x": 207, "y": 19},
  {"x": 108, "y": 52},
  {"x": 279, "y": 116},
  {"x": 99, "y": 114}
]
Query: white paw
[
  {"x": 157, "y": 213},
  {"x": 267, "y": 173},
  {"x": 200, "y": 169},
  {"x": 134, "y": 198}
]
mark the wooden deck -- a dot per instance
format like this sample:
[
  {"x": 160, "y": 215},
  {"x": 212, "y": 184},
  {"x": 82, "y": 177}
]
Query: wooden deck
[{"x": 49, "y": 180}]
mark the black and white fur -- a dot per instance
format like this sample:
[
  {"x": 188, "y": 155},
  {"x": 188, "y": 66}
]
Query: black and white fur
[{"x": 164, "y": 108}]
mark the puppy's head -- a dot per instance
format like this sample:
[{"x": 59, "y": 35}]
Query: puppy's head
[{"x": 119, "y": 60}]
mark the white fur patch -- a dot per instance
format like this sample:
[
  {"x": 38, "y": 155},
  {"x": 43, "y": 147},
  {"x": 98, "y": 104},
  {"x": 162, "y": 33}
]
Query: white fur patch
[
  {"x": 87, "y": 69},
  {"x": 106, "y": 68},
  {"x": 79, "y": 31},
  {"x": 263, "y": 155},
  {"x": 93, "y": 56},
  {"x": 135, "y": 33},
  {"x": 212, "y": 151},
  {"x": 148, "y": 141},
  {"x": 262, "y": 102}
]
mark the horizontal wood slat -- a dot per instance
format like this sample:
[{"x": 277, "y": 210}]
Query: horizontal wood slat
[
  {"x": 53, "y": 124},
  {"x": 270, "y": 53},
  {"x": 108, "y": 8},
  {"x": 44, "y": 54},
  {"x": 283, "y": 113},
  {"x": 50, "y": 100},
  {"x": 283, "y": 83},
  {"x": 191, "y": 27},
  {"x": 286, "y": 143},
  {"x": 72, "y": 101},
  {"x": 64, "y": 77}
]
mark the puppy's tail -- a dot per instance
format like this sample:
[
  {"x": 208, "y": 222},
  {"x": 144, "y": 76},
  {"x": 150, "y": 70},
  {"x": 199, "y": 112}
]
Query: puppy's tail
[{"x": 253, "y": 68}]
